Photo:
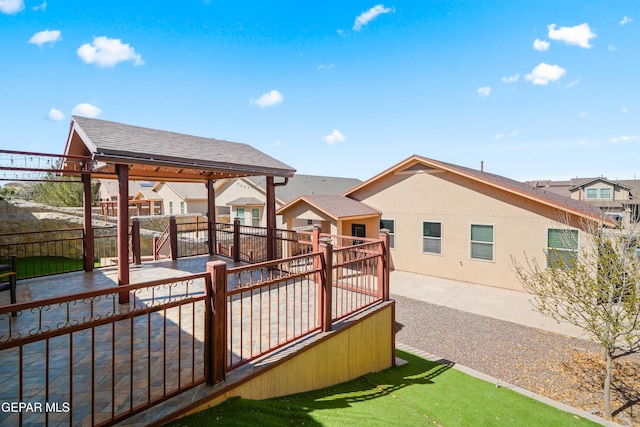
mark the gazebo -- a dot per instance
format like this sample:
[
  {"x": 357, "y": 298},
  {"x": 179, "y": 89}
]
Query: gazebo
[{"x": 117, "y": 150}]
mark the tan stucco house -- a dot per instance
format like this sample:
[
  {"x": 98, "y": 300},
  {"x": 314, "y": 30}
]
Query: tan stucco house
[
  {"x": 245, "y": 197},
  {"x": 464, "y": 224},
  {"x": 334, "y": 214},
  {"x": 182, "y": 197}
]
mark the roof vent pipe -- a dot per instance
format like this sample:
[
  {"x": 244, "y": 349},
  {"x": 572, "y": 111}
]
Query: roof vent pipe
[{"x": 481, "y": 165}]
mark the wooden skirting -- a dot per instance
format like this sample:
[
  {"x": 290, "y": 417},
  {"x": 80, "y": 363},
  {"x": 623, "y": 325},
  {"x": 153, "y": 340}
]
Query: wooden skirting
[{"x": 357, "y": 346}]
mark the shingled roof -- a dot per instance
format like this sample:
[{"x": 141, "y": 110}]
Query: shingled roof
[
  {"x": 335, "y": 206},
  {"x": 308, "y": 184},
  {"x": 168, "y": 156},
  {"x": 497, "y": 181}
]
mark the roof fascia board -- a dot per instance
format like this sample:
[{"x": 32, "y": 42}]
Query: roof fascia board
[
  {"x": 242, "y": 170},
  {"x": 382, "y": 174},
  {"x": 431, "y": 163}
]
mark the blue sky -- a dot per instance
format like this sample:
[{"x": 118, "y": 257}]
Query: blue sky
[{"x": 536, "y": 90}]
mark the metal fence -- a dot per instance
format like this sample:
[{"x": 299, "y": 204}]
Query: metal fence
[
  {"x": 96, "y": 361},
  {"x": 85, "y": 359},
  {"x": 41, "y": 253},
  {"x": 270, "y": 305},
  {"x": 193, "y": 238}
]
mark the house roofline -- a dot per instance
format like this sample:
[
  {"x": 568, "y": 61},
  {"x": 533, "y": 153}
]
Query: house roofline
[{"x": 457, "y": 171}]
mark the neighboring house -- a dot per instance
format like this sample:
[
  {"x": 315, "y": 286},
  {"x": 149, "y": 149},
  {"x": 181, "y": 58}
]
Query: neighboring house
[
  {"x": 336, "y": 214},
  {"x": 142, "y": 199},
  {"x": 182, "y": 197},
  {"x": 459, "y": 223},
  {"x": 245, "y": 197},
  {"x": 108, "y": 189},
  {"x": 619, "y": 200}
]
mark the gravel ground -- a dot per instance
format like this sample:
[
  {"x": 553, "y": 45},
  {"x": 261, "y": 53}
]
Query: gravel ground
[{"x": 546, "y": 363}]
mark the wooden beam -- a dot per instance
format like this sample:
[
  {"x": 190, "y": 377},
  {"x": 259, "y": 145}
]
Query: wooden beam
[
  {"x": 123, "y": 230},
  {"x": 88, "y": 228},
  {"x": 271, "y": 218},
  {"x": 211, "y": 209}
]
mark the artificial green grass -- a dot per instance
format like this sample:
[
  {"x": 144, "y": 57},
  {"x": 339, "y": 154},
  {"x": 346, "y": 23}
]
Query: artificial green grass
[
  {"x": 418, "y": 393},
  {"x": 44, "y": 265}
]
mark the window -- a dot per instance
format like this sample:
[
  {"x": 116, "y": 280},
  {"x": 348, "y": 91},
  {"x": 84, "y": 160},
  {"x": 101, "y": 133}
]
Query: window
[
  {"x": 181, "y": 207},
  {"x": 240, "y": 215},
  {"x": 599, "y": 193},
  {"x": 389, "y": 224},
  {"x": 605, "y": 193},
  {"x": 255, "y": 217},
  {"x": 432, "y": 237},
  {"x": 170, "y": 208},
  {"x": 562, "y": 248},
  {"x": 482, "y": 242}
]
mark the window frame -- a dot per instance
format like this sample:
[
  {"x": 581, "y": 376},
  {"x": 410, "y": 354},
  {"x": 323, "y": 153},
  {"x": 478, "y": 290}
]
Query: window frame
[
  {"x": 576, "y": 251},
  {"x": 607, "y": 189},
  {"x": 182, "y": 207},
  {"x": 480, "y": 242},
  {"x": 439, "y": 238},
  {"x": 240, "y": 214},
  {"x": 255, "y": 219},
  {"x": 392, "y": 232}
]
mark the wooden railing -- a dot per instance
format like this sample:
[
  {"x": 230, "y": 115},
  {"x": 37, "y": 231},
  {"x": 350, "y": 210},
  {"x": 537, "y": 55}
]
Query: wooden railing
[{"x": 95, "y": 361}]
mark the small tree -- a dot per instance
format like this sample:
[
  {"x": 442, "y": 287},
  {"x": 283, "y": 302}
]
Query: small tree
[{"x": 595, "y": 287}]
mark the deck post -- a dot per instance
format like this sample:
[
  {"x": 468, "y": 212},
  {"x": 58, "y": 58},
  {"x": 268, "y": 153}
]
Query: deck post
[
  {"x": 123, "y": 230},
  {"x": 384, "y": 265},
  {"x": 236, "y": 240},
  {"x": 173, "y": 237},
  {"x": 216, "y": 323},
  {"x": 317, "y": 264},
  {"x": 271, "y": 218},
  {"x": 326, "y": 300},
  {"x": 135, "y": 241},
  {"x": 88, "y": 252},
  {"x": 211, "y": 216}
]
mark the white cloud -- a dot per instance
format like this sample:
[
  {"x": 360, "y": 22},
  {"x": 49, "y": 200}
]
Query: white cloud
[
  {"x": 578, "y": 35},
  {"x": 484, "y": 91},
  {"x": 541, "y": 44},
  {"x": 573, "y": 83},
  {"x": 369, "y": 15},
  {"x": 45, "y": 36},
  {"x": 106, "y": 52},
  {"x": 333, "y": 137},
  {"x": 11, "y": 7},
  {"x": 545, "y": 73},
  {"x": 55, "y": 115},
  {"x": 42, "y": 6},
  {"x": 625, "y": 138},
  {"x": 626, "y": 20},
  {"x": 624, "y": 110},
  {"x": 511, "y": 79},
  {"x": 277, "y": 143},
  {"x": 612, "y": 48},
  {"x": 325, "y": 67},
  {"x": 268, "y": 99},
  {"x": 86, "y": 110}
]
